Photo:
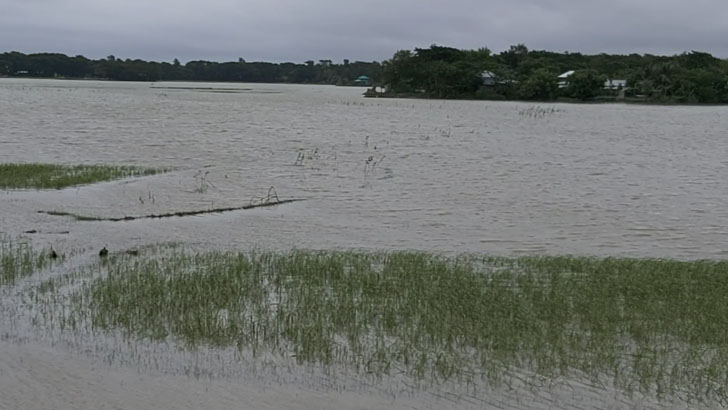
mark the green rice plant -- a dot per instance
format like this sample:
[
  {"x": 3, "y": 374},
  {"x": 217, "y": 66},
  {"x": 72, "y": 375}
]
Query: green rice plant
[
  {"x": 653, "y": 326},
  {"x": 54, "y": 176},
  {"x": 19, "y": 260}
]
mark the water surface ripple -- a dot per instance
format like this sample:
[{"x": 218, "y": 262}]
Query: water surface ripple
[
  {"x": 504, "y": 178},
  {"x": 447, "y": 176}
]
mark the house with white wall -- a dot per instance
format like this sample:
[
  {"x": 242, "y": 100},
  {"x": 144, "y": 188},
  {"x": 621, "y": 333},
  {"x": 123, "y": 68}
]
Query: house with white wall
[{"x": 564, "y": 78}]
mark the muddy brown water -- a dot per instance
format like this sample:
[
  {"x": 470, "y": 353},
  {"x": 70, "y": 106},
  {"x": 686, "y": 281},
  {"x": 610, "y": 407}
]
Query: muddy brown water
[{"x": 506, "y": 178}]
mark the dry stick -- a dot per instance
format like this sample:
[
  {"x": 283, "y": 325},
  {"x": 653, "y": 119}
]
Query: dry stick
[
  {"x": 269, "y": 199},
  {"x": 173, "y": 214}
]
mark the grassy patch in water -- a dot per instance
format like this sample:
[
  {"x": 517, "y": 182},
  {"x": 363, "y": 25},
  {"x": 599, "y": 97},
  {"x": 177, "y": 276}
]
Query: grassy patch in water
[
  {"x": 54, "y": 176},
  {"x": 20, "y": 260},
  {"x": 655, "y": 326}
]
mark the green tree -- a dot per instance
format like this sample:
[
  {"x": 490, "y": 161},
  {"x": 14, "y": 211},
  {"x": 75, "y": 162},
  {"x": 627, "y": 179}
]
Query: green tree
[
  {"x": 585, "y": 84},
  {"x": 696, "y": 59},
  {"x": 541, "y": 85},
  {"x": 514, "y": 56},
  {"x": 401, "y": 74}
]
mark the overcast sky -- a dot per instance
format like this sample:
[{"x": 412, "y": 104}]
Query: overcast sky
[{"x": 288, "y": 30}]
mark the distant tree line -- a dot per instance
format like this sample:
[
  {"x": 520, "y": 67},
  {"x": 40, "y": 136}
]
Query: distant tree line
[
  {"x": 435, "y": 72},
  {"x": 15, "y": 64},
  {"x": 519, "y": 73}
]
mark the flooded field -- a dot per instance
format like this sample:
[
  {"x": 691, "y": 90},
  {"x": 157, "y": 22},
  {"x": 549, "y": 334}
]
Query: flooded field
[{"x": 370, "y": 175}]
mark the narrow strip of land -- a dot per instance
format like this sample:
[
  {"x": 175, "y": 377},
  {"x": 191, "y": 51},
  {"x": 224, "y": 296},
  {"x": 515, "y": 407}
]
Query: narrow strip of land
[
  {"x": 79, "y": 217},
  {"x": 59, "y": 176}
]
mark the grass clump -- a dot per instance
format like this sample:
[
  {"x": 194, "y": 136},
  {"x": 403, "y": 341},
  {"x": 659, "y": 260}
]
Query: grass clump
[
  {"x": 642, "y": 325},
  {"x": 20, "y": 260},
  {"x": 54, "y": 176}
]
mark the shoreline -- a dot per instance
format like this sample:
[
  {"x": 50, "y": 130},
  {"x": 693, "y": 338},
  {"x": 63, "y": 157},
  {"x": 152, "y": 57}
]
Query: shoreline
[
  {"x": 403, "y": 96},
  {"x": 167, "y": 81},
  {"x": 626, "y": 101}
]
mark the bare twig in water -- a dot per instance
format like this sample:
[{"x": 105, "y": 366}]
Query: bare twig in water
[
  {"x": 371, "y": 163},
  {"x": 270, "y": 199},
  {"x": 202, "y": 183},
  {"x": 311, "y": 155},
  {"x": 299, "y": 159}
]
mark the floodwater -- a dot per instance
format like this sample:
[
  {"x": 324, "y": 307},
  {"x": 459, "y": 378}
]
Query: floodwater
[
  {"x": 448, "y": 176},
  {"x": 506, "y": 178}
]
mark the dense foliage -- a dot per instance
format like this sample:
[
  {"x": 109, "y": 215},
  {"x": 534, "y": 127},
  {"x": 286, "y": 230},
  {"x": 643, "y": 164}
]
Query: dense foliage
[
  {"x": 437, "y": 71},
  {"x": 112, "y": 68},
  {"x": 520, "y": 73}
]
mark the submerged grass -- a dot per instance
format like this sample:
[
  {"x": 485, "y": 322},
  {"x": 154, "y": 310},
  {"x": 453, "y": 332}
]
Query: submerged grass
[
  {"x": 54, "y": 176},
  {"x": 20, "y": 260},
  {"x": 656, "y": 326}
]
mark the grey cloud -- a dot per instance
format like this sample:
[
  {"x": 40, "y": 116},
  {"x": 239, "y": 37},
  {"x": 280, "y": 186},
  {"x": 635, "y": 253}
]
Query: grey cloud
[{"x": 291, "y": 30}]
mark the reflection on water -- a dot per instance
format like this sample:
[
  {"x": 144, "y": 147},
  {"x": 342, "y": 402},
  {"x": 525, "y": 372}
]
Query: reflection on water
[{"x": 446, "y": 176}]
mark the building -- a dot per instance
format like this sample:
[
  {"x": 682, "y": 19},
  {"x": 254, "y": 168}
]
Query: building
[
  {"x": 488, "y": 79},
  {"x": 564, "y": 78},
  {"x": 615, "y": 84},
  {"x": 363, "y": 81}
]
